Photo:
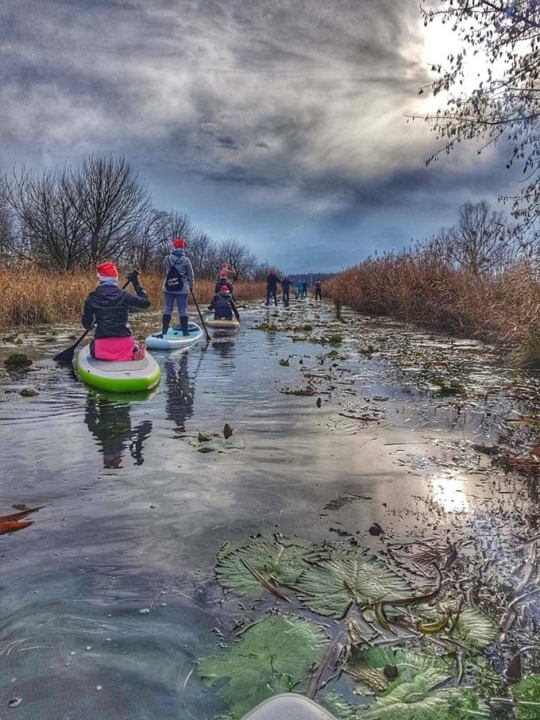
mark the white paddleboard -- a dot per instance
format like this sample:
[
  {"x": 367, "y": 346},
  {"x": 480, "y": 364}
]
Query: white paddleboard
[{"x": 175, "y": 339}]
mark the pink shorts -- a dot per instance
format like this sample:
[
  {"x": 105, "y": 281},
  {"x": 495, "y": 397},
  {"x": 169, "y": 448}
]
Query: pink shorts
[{"x": 116, "y": 349}]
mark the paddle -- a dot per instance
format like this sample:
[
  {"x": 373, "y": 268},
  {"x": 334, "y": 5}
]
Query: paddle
[
  {"x": 66, "y": 356},
  {"x": 208, "y": 338}
]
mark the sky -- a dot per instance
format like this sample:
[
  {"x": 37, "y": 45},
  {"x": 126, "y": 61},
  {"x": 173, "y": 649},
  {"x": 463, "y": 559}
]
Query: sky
[{"x": 281, "y": 123}]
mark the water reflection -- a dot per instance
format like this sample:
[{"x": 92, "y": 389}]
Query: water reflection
[
  {"x": 449, "y": 492},
  {"x": 224, "y": 347},
  {"x": 180, "y": 392},
  {"x": 110, "y": 424}
]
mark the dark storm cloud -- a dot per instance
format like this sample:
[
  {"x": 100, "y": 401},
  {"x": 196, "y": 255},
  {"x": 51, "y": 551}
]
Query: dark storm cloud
[{"x": 298, "y": 104}]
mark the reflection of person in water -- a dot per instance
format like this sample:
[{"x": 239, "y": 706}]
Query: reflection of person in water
[
  {"x": 110, "y": 424},
  {"x": 180, "y": 392}
]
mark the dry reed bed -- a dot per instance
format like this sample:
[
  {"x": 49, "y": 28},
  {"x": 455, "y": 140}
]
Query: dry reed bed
[
  {"x": 503, "y": 309},
  {"x": 35, "y": 297}
]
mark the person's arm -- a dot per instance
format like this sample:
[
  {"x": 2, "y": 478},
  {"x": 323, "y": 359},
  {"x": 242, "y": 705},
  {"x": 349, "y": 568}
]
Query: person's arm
[
  {"x": 235, "y": 310},
  {"x": 87, "y": 319},
  {"x": 189, "y": 273},
  {"x": 140, "y": 300}
]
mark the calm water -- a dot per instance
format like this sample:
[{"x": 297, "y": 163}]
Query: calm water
[{"x": 108, "y": 599}]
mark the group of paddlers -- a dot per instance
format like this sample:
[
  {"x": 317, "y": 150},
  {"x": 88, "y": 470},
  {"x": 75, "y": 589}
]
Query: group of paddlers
[
  {"x": 107, "y": 307},
  {"x": 301, "y": 289}
]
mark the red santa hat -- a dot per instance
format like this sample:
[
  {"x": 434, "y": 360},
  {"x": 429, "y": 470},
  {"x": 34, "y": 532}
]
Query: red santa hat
[
  {"x": 224, "y": 288},
  {"x": 179, "y": 243},
  {"x": 107, "y": 271},
  {"x": 222, "y": 274}
]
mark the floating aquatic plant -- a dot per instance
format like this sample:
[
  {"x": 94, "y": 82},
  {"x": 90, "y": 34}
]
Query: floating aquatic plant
[
  {"x": 274, "y": 562},
  {"x": 348, "y": 574},
  {"x": 475, "y": 628},
  {"x": 273, "y": 657}
]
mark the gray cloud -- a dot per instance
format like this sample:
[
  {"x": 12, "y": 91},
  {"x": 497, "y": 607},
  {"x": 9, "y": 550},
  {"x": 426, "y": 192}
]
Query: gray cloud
[{"x": 287, "y": 115}]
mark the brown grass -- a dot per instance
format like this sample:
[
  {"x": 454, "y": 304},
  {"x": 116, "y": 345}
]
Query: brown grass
[
  {"x": 35, "y": 297},
  {"x": 421, "y": 288}
]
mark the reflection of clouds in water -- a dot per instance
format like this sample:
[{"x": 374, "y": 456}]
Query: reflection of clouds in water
[
  {"x": 180, "y": 391},
  {"x": 449, "y": 492},
  {"x": 110, "y": 424}
]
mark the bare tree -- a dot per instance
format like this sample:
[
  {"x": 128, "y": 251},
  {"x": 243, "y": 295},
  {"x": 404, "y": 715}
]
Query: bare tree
[
  {"x": 203, "y": 253},
  {"x": 505, "y": 104},
  {"x": 480, "y": 242},
  {"x": 238, "y": 256},
  {"x": 113, "y": 200},
  {"x": 51, "y": 227}
]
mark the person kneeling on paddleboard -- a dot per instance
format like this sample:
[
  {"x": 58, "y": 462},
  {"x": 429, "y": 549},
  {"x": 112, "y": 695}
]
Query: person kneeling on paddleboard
[
  {"x": 223, "y": 305},
  {"x": 107, "y": 307},
  {"x": 178, "y": 282},
  {"x": 222, "y": 280}
]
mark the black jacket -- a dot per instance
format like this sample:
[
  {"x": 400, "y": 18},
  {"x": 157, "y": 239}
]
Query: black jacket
[
  {"x": 271, "y": 281},
  {"x": 222, "y": 303},
  {"x": 222, "y": 281},
  {"x": 107, "y": 306},
  {"x": 286, "y": 283}
]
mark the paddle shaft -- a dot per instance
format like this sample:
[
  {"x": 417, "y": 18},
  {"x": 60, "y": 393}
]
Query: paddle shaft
[
  {"x": 208, "y": 338},
  {"x": 66, "y": 356}
]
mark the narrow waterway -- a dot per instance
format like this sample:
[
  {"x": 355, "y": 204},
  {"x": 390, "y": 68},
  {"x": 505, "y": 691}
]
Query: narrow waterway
[{"x": 108, "y": 599}]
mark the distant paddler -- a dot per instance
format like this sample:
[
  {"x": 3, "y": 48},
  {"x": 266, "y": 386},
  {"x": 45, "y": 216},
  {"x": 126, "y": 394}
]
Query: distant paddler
[
  {"x": 221, "y": 281},
  {"x": 272, "y": 281}
]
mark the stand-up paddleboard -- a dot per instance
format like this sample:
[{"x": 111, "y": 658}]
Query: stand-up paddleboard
[
  {"x": 271, "y": 305},
  {"x": 231, "y": 325},
  {"x": 175, "y": 339},
  {"x": 128, "y": 376},
  {"x": 290, "y": 707}
]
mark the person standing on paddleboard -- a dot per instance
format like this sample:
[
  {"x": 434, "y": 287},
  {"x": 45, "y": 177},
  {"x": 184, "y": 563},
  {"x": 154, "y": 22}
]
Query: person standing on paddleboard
[
  {"x": 271, "y": 286},
  {"x": 285, "y": 285},
  {"x": 223, "y": 305},
  {"x": 107, "y": 308},
  {"x": 318, "y": 290},
  {"x": 178, "y": 282}
]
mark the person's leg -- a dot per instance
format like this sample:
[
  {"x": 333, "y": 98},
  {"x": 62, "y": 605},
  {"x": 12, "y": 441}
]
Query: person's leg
[
  {"x": 181, "y": 299},
  {"x": 268, "y": 292},
  {"x": 275, "y": 297},
  {"x": 167, "y": 312}
]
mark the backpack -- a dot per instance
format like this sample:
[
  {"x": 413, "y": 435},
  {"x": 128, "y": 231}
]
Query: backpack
[{"x": 174, "y": 281}]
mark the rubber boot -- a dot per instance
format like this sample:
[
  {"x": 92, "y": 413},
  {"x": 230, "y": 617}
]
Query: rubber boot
[
  {"x": 165, "y": 319},
  {"x": 184, "y": 324}
]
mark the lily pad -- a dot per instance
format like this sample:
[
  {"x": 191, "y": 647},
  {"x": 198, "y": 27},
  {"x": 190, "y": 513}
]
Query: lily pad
[
  {"x": 272, "y": 657},
  {"x": 276, "y": 563},
  {"x": 348, "y": 574},
  {"x": 413, "y": 701},
  {"x": 475, "y": 628},
  {"x": 527, "y": 691},
  {"x": 338, "y": 706}
]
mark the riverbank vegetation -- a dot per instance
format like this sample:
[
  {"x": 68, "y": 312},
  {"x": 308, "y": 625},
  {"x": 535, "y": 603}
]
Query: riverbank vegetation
[
  {"x": 36, "y": 297},
  {"x": 479, "y": 278}
]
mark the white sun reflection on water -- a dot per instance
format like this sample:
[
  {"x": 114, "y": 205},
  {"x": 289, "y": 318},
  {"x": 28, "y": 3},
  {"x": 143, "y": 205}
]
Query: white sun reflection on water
[{"x": 449, "y": 492}]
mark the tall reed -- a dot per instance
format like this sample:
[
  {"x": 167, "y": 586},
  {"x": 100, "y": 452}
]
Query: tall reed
[
  {"x": 422, "y": 288},
  {"x": 34, "y": 297}
]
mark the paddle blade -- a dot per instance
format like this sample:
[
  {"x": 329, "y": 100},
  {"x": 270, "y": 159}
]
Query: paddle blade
[{"x": 66, "y": 356}]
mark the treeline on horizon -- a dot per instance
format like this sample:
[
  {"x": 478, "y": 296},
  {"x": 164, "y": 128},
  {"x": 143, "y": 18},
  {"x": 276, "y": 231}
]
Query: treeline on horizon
[
  {"x": 72, "y": 218},
  {"x": 478, "y": 278}
]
